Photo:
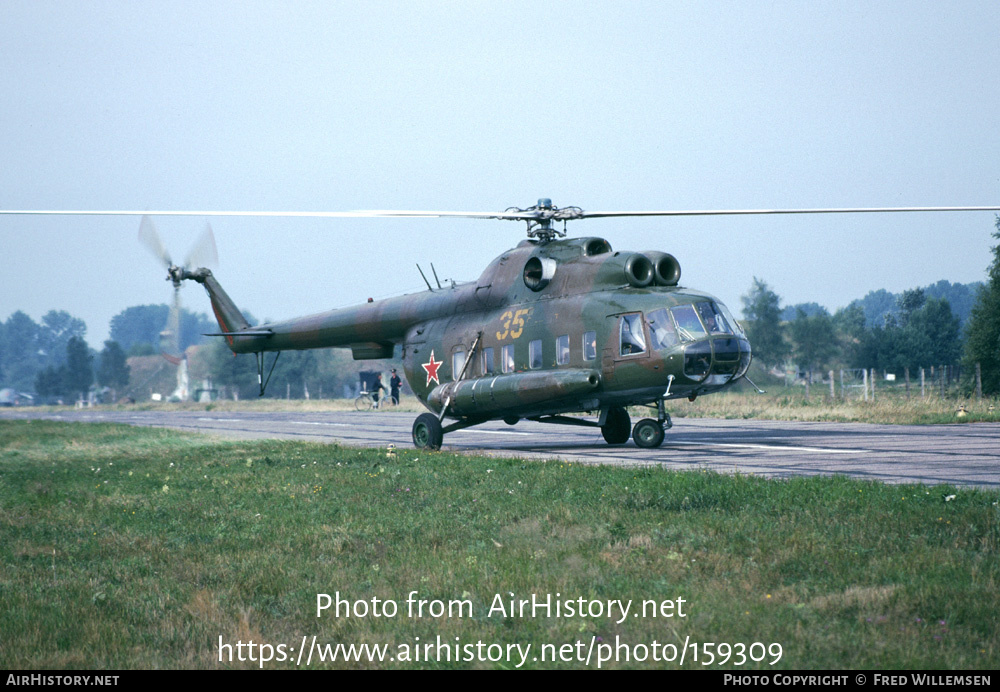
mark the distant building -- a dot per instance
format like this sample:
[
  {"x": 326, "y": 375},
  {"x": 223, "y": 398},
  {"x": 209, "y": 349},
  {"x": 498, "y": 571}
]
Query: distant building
[{"x": 11, "y": 397}]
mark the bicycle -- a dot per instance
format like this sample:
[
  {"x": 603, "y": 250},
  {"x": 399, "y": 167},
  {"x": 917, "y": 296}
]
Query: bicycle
[{"x": 365, "y": 402}]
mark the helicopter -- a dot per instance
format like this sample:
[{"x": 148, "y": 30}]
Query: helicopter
[{"x": 553, "y": 326}]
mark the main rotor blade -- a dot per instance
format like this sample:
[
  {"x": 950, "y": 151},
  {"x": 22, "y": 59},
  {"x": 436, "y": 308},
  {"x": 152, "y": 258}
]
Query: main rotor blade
[
  {"x": 568, "y": 214},
  {"x": 752, "y": 212},
  {"x": 151, "y": 239},
  {"x": 117, "y": 212}
]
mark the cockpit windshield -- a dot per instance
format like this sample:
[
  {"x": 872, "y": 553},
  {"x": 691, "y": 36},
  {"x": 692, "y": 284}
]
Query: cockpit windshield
[
  {"x": 689, "y": 326},
  {"x": 662, "y": 332},
  {"x": 713, "y": 319},
  {"x": 683, "y": 323}
]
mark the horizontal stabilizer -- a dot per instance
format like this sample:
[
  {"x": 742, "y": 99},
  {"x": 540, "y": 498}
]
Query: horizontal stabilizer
[{"x": 243, "y": 333}]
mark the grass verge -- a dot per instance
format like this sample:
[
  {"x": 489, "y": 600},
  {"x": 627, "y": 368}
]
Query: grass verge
[{"x": 127, "y": 547}]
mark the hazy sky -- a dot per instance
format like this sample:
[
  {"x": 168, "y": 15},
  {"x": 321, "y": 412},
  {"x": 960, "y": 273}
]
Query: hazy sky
[{"x": 480, "y": 106}]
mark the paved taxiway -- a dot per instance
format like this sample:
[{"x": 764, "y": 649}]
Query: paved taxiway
[{"x": 960, "y": 454}]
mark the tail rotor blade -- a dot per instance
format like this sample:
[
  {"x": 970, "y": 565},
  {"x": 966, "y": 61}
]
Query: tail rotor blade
[
  {"x": 151, "y": 239},
  {"x": 170, "y": 336},
  {"x": 204, "y": 252}
]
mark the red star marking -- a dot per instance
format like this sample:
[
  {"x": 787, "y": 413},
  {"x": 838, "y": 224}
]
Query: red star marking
[{"x": 432, "y": 369}]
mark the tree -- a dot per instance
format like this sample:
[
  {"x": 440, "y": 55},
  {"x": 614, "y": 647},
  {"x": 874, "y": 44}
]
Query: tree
[
  {"x": 937, "y": 332},
  {"x": 79, "y": 367},
  {"x": 762, "y": 312},
  {"x": 789, "y": 312},
  {"x": 55, "y": 331},
  {"x": 814, "y": 338},
  {"x": 114, "y": 370},
  {"x": 138, "y": 328},
  {"x": 21, "y": 347},
  {"x": 982, "y": 344},
  {"x": 50, "y": 382},
  {"x": 849, "y": 323},
  {"x": 140, "y": 324},
  {"x": 909, "y": 302}
]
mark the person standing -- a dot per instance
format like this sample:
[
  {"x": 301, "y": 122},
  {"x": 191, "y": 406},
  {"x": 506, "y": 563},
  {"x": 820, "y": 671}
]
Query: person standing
[
  {"x": 377, "y": 385},
  {"x": 394, "y": 384}
]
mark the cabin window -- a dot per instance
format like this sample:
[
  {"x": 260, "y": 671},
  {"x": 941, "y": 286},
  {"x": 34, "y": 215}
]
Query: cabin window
[
  {"x": 457, "y": 363},
  {"x": 488, "y": 360},
  {"x": 589, "y": 345},
  {"x": 633, "y": 340},
  {"x": 688, "y": 325},
  {"x": 507, "y": 358},
  {"x": 535, "y": 354},
  {"x": 662, "y": 333},
  {"x": 562, "y": 349}
]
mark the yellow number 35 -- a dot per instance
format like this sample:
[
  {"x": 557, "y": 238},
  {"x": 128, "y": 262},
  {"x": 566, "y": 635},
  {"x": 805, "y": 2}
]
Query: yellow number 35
[{"x": 512, "y": 319}]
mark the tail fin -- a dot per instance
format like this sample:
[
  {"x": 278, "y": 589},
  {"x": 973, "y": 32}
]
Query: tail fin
[{"x": 228, "y": 316}]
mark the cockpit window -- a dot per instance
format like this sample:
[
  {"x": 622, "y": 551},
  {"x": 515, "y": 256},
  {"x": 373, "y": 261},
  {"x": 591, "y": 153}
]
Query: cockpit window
[
  {"x": 714, "y": 321},
  {"x": 662, "y": 332},
  {"x": 632, "y": 338},
  {"x": 729, "y": 316},
  {"x": 689, "y": 327}
]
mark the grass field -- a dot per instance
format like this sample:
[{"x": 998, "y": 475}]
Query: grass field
[
  {"x": 891, "y": 406},
  {"x": 126, "y": 547}
]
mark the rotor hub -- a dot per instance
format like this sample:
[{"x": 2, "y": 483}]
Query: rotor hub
[{"x": 540, "y": 224}]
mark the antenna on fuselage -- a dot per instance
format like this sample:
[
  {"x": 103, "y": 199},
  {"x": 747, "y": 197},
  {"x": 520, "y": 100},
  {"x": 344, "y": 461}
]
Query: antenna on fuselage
[
  {"x": 424, "y": 278},
  {"x": 435, "y": 275}
]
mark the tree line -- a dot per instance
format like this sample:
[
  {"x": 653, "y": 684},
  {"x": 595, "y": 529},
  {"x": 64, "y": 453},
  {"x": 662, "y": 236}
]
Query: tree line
[{"x": 917, "y": 331}]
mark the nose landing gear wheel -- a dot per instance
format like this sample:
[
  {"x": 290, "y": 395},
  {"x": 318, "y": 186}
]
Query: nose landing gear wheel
[
  {"x": 427, "y": 432},
  {"x": 616, "y": 426},
  {"x": 648, "y": 433}
]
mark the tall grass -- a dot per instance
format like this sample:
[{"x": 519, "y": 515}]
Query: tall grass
[{"x": 889, "y": 406}]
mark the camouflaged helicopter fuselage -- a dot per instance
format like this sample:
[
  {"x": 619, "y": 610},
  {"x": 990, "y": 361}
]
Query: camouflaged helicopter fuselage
[{"x": 528, "y": 349}]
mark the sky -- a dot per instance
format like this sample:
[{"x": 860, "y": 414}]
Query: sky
[{"x": 479, "y": 106}]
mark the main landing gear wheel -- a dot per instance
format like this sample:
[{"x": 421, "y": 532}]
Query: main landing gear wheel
[
  {"x": 616, "y": 427},
  {"x": 648, "y": 433},
  {"x": 427, "y": 432}
]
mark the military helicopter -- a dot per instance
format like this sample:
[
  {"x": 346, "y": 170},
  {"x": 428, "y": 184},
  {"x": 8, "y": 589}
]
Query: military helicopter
[{"x": 553, "y": 326}]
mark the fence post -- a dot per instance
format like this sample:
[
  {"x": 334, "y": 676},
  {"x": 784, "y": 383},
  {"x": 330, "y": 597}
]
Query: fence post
[
  {"x": 944, "y": 385},
  {"x": 864, "y": 382},
  {"x": 979, "y": 383},
  {"x": 906, "y": 375},
  {"x": 922, "y": 395},
  {"x": 872, "y": 382},
  {"x": 843, "y": 394},
  {"x": 833, "y": 389}
]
